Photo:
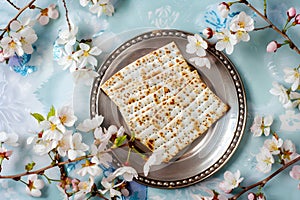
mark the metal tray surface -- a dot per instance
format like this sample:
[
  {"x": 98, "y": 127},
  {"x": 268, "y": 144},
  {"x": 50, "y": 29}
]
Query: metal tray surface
[{"x": 208, "y": 153}]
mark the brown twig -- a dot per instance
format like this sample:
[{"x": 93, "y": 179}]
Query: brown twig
[
  {"x": 13, "y": 5},
  {"x": 262, "y": 28},
  {"x": 267, "y": 179},
  {"x": 42, "y": 170},
  {"x": 16, "y": 17},
  {"x": 292, "y": 44},
  {"x": 67, "y": 15}
]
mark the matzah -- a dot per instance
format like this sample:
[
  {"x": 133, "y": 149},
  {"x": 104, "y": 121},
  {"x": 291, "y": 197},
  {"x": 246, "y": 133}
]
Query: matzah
[{"x": 163, "y": 101}]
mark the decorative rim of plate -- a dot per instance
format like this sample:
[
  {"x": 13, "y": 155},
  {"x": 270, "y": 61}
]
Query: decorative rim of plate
[{"x": 242, "y": 104}]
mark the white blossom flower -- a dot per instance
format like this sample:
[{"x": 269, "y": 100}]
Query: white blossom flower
[
  {"x": 226, "y": 41},
  {"x": 27, "y": 38},
  {"x": 11, "y": 45},
  {"x": 281, "y": 92},
  {"x": 261, "y": 125},
  {"x": 292, "y": 76},
  {"x": 242, "y": 36},
  {"x": 273, "y": 145},
  {"x": 22, "y": 25},
  {"x": 231, "y": 181},
  {"x": 295, "y": 97},
  {"x": 264, "y": 160},
  {"x": 67, "y": 37},
  {"x": 201, "y": 61},
  {"x": 84, "y": 2},
  {"x": 101, "y": 138},
  {"x": 155, "y": 159},
  {"x": 43, "y": 147},
  {"x": 77, "y": 148},
  {"x": 84, "y": 75},
  {"x": 66, "y": 116},
  {"x": 90, "y": 124},
  {"x": 9, "y": 139},
  {"x": 48, "y": 13},
  {"x": 86, "y": 55},
  {"x": 224, "y": 9},
  {"x": 53, "y": 128},
  {"x": 104, "y": 158},
  {"x": 127, "y": 172},
  {"x": 69, "y": 59},
  {"x": 197, "y": 45},
  {"x": 109, "y": 186},
  {"x": 242, "y": 22},
  {"x": 64, "y": 144},
  {"x": 288, "y": 150},
  {"x": 102, "y": 6},
  {"x": 84, "y": 188},
  {"x": 34, "y": 185},
  {"x": 90, "y": 167}
]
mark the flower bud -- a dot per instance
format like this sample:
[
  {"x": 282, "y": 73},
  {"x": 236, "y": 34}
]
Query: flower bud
[
  {"x": 297, "y": 20},
  {"x": 273, "y": 46},
  {"x": 291, "y": 13},
  {"x": 224, "y": 9},
  {"x": 251, "y": 196},
  {"x": 208, "y": 33}
]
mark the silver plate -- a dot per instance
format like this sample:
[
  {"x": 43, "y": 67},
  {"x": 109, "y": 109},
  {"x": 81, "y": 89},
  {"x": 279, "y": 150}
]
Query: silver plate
[{"x": 207, "y": 154}]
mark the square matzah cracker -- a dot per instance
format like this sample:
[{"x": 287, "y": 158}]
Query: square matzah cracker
[{"x": 163, "y": 101}]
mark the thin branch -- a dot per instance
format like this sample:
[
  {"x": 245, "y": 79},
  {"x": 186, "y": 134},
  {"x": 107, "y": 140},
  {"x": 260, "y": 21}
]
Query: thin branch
[
  {"x": 42, "y": 170},
  {"x": 16, "y": 17},
  {"x": 267, "y": 179},
  {"x": 292, "y": 44},
  {"x": 13, "y": 5},
  {"x": 262, "y": 28},
  {"x": 67, "y": 15},
  {"x": 265, "y": 8}
]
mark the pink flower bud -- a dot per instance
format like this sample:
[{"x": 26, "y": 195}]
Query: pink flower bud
[
  {"x": 291, "y": 13},
  {"x": 273, "y": 46},
  {"x": 208, "y": 32},
  {"x": 297, "y": 19},
  {"x": 251, "y": 196},
  {"x": 295, "y": 172}
]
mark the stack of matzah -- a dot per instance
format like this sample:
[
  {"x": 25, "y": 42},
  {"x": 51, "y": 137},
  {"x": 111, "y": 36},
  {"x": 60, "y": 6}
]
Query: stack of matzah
[{"x": 163, "y": 101}]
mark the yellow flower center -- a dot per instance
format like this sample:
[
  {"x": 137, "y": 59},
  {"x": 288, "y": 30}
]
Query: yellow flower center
[
  {"x": 86, "y": 53},
  {"x": 241, "y": 24},
  {"x": 268, "y": 160},
  {"x": 63, "y": 119},
  {"x": 226, "y": 39},
  {"x": 52, "y": 127},
  {"x": 87, "y": 163},
  {"x": 198, "y": 43},
  {"x": 12, "y": 44}
]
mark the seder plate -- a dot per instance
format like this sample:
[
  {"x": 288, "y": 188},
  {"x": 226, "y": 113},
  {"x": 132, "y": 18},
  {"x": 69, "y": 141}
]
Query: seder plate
[{"x": 208, "y": 153}]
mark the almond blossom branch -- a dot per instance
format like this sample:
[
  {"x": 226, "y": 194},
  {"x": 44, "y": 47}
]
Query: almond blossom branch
[
  {"x": 29, "y": 5},
  {"x": 267, "y": 179},
  {"x": 67, "y": 14},
  {"x": 262, "y": 28},
  {"x": 13, "y": 5},
  {"x": 291, "y": 43},
  {"x": 42, "y": 170}
]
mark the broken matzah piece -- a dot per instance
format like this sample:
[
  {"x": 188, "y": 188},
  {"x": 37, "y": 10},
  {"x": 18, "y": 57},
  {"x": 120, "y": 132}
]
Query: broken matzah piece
[{"x": 163, "y": 101}]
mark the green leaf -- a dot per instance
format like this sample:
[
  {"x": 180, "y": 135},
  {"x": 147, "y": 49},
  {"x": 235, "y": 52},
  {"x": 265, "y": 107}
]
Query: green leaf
[
  {"x": 29, "y": 166},
  {"x": 120, "y": 140},
  {"x": 51, "y": 112},
  {"x": 38, "y": 117}
]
